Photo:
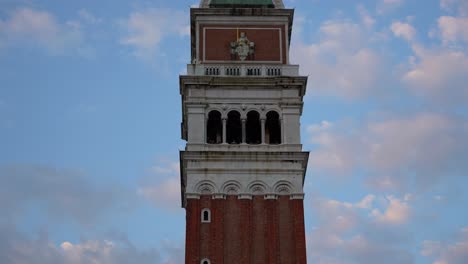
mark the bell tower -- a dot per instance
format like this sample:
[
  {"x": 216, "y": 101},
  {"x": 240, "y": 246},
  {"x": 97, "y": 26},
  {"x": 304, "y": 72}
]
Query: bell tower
[{"x": 243, "y": 168}]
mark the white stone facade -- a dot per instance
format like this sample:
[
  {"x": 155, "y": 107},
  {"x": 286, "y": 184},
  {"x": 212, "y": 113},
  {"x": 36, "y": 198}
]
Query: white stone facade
[
  {"x": 217, "y": 166},
  {"x": 243, "y": 173}
]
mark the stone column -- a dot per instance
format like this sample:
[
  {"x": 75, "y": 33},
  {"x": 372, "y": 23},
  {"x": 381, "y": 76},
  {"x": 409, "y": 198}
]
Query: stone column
[
  {"x": 262, "y": 121},
  {"x": 282, "y": 130},
  {"x": 224, "y": 130},
  {"x": 205, "y": 130},
  {"x": 243, "y": 130}
]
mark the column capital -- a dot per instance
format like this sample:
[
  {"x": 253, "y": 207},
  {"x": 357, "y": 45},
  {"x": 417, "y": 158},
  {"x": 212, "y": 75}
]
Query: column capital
[
  {"x": 245, "y": 196},
  {"x": 296, "y": 196},
  {"x": 218, "y": 196},
  {"x": 271, "y": 196},
  {"x": 192, "y": 195}
]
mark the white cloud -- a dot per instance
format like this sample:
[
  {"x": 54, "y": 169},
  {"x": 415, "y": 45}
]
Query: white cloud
[
  {"x": 451, "y": 252},
  {"x": 349, "y": 233},
  {"x": 366, "y": 202},
  {"x": 324, "y": 125},
  {"x": 147, "y": 29},
  {"x": 366, "y": 18},
  {"x": 385, "y": 6},
  {"x": 163, "y": 194},
  {"x": 438, "y": 75},
  {"x": 421, "y": 148},
  {"x": 60, "y": 193},
  {"x": 18, "y": 249},
  {"x": 35, "y": 27},
  {"x": 453, "y": 29},
  {"x": 392, "y": 2},
  {"x": 397, "y": 212},
  {"x": 88, "y": 17},
  {"x": 460, "y": 6},
  {"x": 403, "y": 30},
  {"x": 342, "y": 62},
  {"x": 162, "y": 186}
]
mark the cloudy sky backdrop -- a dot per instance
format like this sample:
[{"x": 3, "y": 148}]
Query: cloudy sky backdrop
[{"x": 90, "y": 118}]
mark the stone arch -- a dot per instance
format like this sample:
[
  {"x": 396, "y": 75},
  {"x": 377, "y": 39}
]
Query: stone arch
[
  {"x": 205, "y": 261},
  {"x": 231, "y": 188},
  {"x": 268, "y": 108},
  {"x": 232, "y": 108},
  {"x": 205, "y": 187},
  {"x": 283, "y": 188},
  {"x": 257, "y": 188},
  {"x": 214, "y": 108}
]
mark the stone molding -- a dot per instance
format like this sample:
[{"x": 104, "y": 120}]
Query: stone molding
[
  {"x": 255, "y": 188},
  {"x": 244, "y": 174},
  {"x": 206, "y": 3},
  {"x": 247, "y": 196},
  {"x": 243, "y": 109}
]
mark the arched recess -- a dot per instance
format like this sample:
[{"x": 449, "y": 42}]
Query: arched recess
[
  {"x": 283, "y": 188},
  {"x": 205, "y": 261},
  {"x": 272, "y": 128},
  {"x": 233, "y": 128},
  {"x": 231, "y": 188},
  {"x": 257, "y": 188},
  {"x": 214, "y": 128},
  {"x": 253, "y": 128},
  {"x": 205, "y": 188}
]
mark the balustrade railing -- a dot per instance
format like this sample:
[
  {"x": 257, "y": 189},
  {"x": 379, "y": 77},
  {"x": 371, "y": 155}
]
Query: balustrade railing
[{"x": 243, "y": 70}]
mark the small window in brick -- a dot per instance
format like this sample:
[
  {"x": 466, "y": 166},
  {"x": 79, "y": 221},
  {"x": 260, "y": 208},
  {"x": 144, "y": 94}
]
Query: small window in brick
[
  {"x": 205, "y": 261},
  {"x": 206, "y": 215}
]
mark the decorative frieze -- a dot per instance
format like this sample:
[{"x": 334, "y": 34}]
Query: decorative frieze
[{"x": 246, "y": 191}]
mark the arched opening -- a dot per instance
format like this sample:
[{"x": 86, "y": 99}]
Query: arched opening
[
  {"x": 206, "y": 215},
  {"x": 233, "y": 128},
  {"x": 253, "y": 128},
  {"x": 214, "y": 128},
  {"x": 205, "y": 261},
  {"x": 272, "y": 128}
]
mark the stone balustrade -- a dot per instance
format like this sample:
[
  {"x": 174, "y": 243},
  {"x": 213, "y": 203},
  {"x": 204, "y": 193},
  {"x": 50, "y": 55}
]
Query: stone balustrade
[{"x": 264, "y": 70}]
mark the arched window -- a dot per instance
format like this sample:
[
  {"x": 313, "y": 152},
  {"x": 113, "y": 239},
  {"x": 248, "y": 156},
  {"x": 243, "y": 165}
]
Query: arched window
[
  {"x": 272, "y": 128},
  {"x": 205, "y": 261},
  {"x": 234, "y": 128},
  {"x": 214, "y": 128},
  {"x": 206, "y": 216},
  {"x": 253, "y": 128}
]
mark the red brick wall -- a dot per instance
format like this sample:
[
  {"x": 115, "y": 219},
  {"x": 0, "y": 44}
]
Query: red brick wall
[
  {"x": 266, "y": 38},
  {"x": 192, "y": 237},
  {"x": 256, "y": 231},
  {"x": 286, "y": 234}
]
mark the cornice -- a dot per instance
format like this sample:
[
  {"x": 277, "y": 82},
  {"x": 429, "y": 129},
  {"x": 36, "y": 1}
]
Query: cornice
[{"x": 279, "y": 82}]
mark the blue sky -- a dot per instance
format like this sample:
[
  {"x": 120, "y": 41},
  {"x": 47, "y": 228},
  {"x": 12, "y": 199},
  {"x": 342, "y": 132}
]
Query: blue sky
[{"x": 90, "y": 130}]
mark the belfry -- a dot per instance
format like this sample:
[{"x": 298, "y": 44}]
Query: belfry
[{"x": 243, "y": 168}]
